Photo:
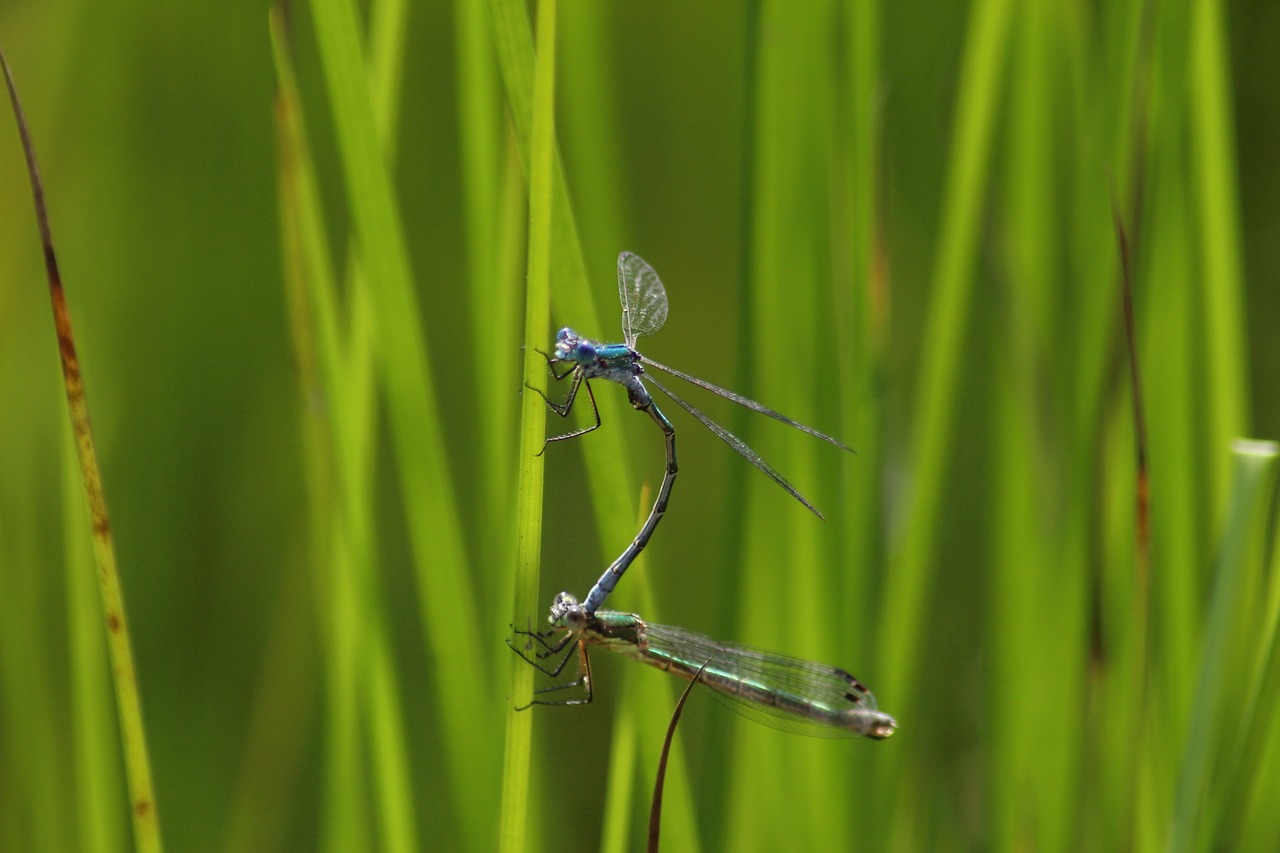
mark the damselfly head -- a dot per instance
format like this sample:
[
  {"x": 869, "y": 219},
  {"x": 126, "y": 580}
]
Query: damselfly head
[
  {"x": 570, "y": 347},
  {"x": 567, "y": 613},
  {"x": 561, "y": 604}
]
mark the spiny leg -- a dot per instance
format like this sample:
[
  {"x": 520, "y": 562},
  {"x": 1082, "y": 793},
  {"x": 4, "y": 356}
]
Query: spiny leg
[
  {"x": 549, "y": 650},
  {"x": 543, "y": 636},
  {"x": 583, "y": 680},
  {"x": 552, "y": 361},
  {"x": 562, "y": 409}
]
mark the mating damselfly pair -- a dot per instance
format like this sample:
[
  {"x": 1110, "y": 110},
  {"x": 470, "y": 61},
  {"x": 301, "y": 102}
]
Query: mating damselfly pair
[{"x": 784, "y": 692}]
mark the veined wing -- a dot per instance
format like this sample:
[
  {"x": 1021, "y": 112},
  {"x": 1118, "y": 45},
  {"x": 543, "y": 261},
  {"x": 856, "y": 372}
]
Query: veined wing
[
  {"x": 810, "y": 698},
  {"x": 644, "y": 301},
  {"x": 747, "y": 402},
  {"x": 736, "y": 443}
]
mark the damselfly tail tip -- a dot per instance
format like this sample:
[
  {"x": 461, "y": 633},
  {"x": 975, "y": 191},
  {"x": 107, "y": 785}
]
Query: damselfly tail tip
[{"x": 882, "y": 727}]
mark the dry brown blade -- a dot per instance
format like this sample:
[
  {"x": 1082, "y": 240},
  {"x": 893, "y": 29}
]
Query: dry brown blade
[
  {"x": 1135, "y": 376},
  {"x": 659, "y": 782},
  {"x": 145, "y": 819}
]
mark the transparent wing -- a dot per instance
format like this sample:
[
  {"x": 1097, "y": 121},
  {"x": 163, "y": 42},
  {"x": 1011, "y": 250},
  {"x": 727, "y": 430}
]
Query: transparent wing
[
  {"x": 729, "y": 665},
  {"x": 736, "y": 443},
  {"x": 644, "y": 301},
  {"x": 747, "y": 402}
]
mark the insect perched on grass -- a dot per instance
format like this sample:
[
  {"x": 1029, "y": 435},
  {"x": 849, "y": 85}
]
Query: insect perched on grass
[
  {"x": 644, "y": 310},
  {"x": 782, "y": 692}
]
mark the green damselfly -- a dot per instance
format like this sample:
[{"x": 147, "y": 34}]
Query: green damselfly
[{"x": 782, "y": 692}]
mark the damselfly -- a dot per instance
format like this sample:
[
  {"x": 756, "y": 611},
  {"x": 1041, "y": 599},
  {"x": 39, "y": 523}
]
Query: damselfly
[
  {"x": 644, "y": 310},
  {"x": 782, "y": 692}
]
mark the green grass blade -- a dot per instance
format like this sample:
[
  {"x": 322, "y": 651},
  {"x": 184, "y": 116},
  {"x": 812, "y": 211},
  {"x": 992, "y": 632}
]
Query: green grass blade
[
  {"x": 515, "y": 807},
  {"x": 1217, "y": 204},
  {"x": 616, "y": 835},
  {"x": 943, "y": 337},
  {"x": 403, "y": 369},
  {"x": 1252, "y": 491},
  {"x": 606, "y": 453},
  {"x": 494, "y": 208},
  {"x": 793, "y": 349},
  {"x": 100, "y": 822},
  {"x": 606, "y": 450},
  {"x": 311, "y": 290},
  {"x": 913, "y": 551},
  {"x": 1242, "y": 774}
]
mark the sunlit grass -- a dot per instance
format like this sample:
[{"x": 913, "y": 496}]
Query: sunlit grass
[{"x": 899, "y": 229}]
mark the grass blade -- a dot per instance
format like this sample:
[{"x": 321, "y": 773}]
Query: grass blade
[
  {"x": 515, "y": 808},
  {"x": 660, "y": 776},
  {"x": 1252, "y": 491},
  {"x": 146, "y": 820}
]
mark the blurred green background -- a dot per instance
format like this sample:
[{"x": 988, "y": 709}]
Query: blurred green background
[{"x": 893, "y": 223}]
